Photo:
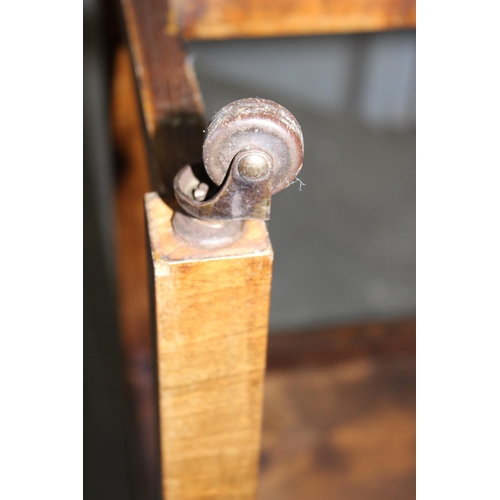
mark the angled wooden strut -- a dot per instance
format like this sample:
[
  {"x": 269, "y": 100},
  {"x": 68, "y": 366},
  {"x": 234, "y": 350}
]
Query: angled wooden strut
[
  {"x": 211, "y": 315},
  {"x": 171, "y": 102}
]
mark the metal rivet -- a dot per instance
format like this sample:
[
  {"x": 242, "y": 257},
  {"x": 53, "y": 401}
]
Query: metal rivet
[{"x": 253, "y": 166}]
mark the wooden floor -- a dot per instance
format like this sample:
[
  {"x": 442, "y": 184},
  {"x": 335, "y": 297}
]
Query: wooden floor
[{"x": 343, "y": 430}]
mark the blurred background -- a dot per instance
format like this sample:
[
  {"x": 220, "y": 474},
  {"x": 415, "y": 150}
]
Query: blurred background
[{"x": 344, "y": 241}]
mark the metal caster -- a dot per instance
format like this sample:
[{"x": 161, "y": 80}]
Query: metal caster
[{"x": 253, "y": 148}]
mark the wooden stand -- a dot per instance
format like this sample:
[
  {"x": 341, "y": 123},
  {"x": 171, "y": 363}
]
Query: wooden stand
[{"x": 211, "y": 318}]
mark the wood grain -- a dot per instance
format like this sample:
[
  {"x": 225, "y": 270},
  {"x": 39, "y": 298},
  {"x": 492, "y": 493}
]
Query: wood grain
[
  {"x": 219, "y": 19},
  {"x": 211, "y": 315},
  {"x": 344, "y": 431},
  {"x": 170, "y": 99}
]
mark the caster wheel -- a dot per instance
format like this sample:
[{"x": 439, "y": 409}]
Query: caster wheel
[{"x": 254, "y": 124}]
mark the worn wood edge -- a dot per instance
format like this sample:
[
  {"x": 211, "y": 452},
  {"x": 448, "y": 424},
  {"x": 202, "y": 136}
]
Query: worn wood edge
[
  {"x": 222, "y": 19},
  {"x": 168, "y": 250},
  {"x": 148, "y": 99},
  {"x": 171, "y": 102},
  {"x": 250, "y": 32},
  {"x": 141, "y": 73}
]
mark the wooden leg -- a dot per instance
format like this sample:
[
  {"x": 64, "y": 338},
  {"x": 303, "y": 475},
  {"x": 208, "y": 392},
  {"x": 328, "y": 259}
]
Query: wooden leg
[{"x": 211, "y": 321}]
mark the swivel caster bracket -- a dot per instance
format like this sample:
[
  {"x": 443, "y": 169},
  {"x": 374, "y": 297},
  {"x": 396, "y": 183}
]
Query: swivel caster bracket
[{"x": 253, "y": 148}]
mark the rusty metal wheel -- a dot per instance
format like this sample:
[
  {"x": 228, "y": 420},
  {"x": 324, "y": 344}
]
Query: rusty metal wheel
[{"x": 254, "y": 124}]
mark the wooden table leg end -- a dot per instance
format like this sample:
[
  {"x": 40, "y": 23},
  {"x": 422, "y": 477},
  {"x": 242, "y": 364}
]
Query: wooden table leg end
[{"x": 211, "y": 317}]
